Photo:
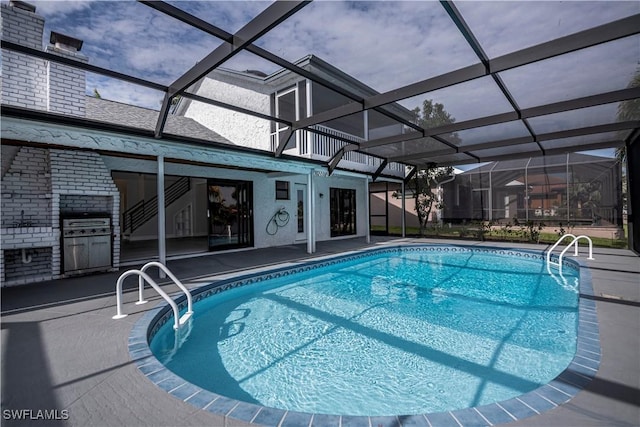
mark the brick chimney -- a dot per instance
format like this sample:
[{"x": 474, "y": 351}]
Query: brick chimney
[
  {"x": 24, "y": 78},
  {"x": 36, "y": 83},
  {"x": 66, "y": 85}
]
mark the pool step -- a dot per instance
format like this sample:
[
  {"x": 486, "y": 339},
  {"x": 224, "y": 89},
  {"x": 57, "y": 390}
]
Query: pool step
[{"x": 185, "y": 317}]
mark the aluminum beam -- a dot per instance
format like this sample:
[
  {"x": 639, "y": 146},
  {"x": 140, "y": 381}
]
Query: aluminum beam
[
  {"x": 198, "y": 23},
  {"x": 215, "y": 103},
  {"x": 411, "y": 174},
  {"x": 558, "y": 107},
  {"x": 273, "y": 15},
  {"x": 378, "y": 171},
  {"x": 81, "y": 65},
  {"x": 611, "y": 127},
  {"x": 536, "y": 153},
  {"x": 228, "y": 37},
  {"x": 552, "y": 151},
  {"x": 602, "y": 34},
  {"x": 333, "y": 162},
  {"x": 288, "y": 133},
  {"x": 125, "y": 77},
  {"x": 459, "y": 21}
]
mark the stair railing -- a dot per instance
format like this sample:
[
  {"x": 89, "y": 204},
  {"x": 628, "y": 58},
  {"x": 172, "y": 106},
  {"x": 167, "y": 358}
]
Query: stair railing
[{"x": 138, "y": 214}]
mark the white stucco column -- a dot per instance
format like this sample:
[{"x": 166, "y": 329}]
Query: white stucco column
[
  {"x": 311, "y": 203},
  {"x": 404, "y": 211},
  {"x": 568, "y": 197},
  {"x": 162, "y": 233},
  {"x": 366, "y": 204}
]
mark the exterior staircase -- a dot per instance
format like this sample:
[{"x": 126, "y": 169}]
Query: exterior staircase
[{"x": 137, "y": 215}]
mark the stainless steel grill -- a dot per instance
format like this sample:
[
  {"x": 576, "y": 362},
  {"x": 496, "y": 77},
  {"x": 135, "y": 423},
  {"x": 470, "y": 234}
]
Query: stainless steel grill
[{"x": 86, "y": 244}]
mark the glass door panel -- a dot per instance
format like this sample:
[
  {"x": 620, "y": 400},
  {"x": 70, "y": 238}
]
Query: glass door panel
[
  {"x": 230, "y": 213},
  {"x": 301, "y": 202}
]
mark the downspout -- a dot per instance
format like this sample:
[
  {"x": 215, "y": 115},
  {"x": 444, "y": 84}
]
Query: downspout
[
  {"x": 526, "y": 190},
  {"x": 365, "y": 120}
]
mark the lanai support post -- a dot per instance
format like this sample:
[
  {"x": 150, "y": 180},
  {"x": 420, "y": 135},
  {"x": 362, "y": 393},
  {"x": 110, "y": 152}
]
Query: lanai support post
[
  {"x": 310, "y": 219},
  {"x": 404, "y": 212},
  {"x": 366, "y": 207},
  {"x": 162, "y": 232}
]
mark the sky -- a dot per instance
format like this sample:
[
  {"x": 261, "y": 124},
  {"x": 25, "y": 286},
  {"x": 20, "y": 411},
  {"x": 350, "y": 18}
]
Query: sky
[{"x": 384, "y": 44}]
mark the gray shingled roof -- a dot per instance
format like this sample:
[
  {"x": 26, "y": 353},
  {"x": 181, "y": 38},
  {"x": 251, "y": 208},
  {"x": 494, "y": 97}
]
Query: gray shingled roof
[{"x": 143, "y": 118}]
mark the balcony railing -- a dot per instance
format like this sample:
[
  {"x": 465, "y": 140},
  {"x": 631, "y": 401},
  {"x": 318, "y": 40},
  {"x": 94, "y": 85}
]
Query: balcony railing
[{"x": 322, "y": 147}]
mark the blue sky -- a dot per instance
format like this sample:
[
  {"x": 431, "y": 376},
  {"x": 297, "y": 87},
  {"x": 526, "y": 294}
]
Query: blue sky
[{"x": 385, "y": 44}]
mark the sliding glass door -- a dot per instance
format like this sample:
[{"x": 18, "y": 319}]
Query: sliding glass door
[
  {"x": 343, "y": 211},
  {"x": 230, "y": 214}
]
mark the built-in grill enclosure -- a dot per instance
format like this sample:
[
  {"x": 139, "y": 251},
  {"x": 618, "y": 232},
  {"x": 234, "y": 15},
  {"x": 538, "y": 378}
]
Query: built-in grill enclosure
[{"x": 86, "y": 243}]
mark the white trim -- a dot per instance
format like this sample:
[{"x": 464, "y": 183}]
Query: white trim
[{"x": 57, "y": 135}]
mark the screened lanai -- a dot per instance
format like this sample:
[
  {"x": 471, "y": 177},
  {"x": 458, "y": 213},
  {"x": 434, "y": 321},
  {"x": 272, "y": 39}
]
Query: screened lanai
[
  {"x": 514, "y": 80},
  {"x": 562, "y": 189}
]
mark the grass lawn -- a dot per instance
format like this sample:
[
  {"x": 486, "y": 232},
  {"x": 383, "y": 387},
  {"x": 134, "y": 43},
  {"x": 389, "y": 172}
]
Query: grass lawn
[{"x": 475, "y": 232}]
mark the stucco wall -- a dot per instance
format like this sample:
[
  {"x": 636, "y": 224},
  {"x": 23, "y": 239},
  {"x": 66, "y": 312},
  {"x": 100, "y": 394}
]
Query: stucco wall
[
  {"x": 323, "y": 212},
  {"x": 241, "y": 129},
  {"x": 265, "y": 204}
]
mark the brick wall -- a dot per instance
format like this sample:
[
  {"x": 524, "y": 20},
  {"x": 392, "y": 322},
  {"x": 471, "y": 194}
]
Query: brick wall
[
  {"x": 24, "y": 79},
  {"x": 80, "y": 172},
  {"x": 37, "y": 267},
  {"x": 26, "y": 190},
  {"x": 66, "y": 85},
  {"x": 38, "y": 186},
  {"x": 78, "y": 204},
  {"x": 35, "y": 83}
]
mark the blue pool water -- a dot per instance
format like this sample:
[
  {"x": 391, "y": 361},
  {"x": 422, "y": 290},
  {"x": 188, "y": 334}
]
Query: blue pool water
[{"x": 403, "y": 332}]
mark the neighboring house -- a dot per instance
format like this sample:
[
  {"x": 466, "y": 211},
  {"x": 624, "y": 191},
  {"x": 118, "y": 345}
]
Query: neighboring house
[
  {"x": 289, "y": 96},
  {"x": 69, "y": 160},
  {"x": 567, "y": 188}
]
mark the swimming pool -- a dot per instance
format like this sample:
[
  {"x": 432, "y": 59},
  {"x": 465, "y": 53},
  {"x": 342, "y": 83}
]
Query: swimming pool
[{"x": 431, "y": 319}]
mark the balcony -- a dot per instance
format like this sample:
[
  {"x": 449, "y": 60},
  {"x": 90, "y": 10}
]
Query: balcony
[{"x": 322, "y": 147}]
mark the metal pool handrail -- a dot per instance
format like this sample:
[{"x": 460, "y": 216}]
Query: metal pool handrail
[
  {"x": 575, "y": 242},
  {"x": 171, "y": 276},
  {"x": 142, "y": 277}
]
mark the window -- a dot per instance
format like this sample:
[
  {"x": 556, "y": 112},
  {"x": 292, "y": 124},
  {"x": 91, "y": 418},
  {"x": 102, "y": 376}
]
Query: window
[
  {"x": 286, "y": 107},
  {"x": 282, "y": 190},
  {"x": 343, "y": 211}
]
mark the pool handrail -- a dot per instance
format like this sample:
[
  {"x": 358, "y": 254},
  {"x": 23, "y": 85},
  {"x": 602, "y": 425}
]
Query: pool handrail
[
  {"x": 175, "y": 280},
  {"x": 142, "y": 277},
  {"x": 575, "y": 242}
]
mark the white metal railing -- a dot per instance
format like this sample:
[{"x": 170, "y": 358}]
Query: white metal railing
[
  {"x": 575, "y": 242},
  {"x": 562, "y": 281},
  {"x": 310, "y": 144},
  {"x": 142, "y": 277}
]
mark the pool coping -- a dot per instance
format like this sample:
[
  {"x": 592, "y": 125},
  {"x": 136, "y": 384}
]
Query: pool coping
[{"x": 580, "y": 371}]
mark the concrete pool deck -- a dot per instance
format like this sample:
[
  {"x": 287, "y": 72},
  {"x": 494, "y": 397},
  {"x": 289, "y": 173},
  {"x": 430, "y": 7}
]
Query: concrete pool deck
[{"x": 61, "y": 350}]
